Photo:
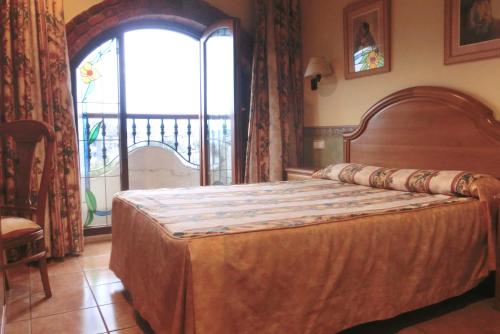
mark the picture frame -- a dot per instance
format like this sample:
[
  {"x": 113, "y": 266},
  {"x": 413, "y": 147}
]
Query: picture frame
[
  {"x": 472, "y": 30},
  {"x": 367, "y": 38}
]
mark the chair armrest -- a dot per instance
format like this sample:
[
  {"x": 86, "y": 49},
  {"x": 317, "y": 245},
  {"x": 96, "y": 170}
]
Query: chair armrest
[
  {"x": 13, "y": 208},
  {"x": 496, "y": 303}
]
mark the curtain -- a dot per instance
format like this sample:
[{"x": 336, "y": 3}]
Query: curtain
[
  {"x": 276, "y": 106},
  {"x": 35, "y": 84}
]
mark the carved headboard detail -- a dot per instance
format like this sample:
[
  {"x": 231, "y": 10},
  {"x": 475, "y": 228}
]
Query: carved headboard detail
[{"x": 427, "y": 128}]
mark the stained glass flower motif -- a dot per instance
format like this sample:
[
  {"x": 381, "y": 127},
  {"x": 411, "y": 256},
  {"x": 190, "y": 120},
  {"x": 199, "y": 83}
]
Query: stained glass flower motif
[
  {"x": 374, "y": 59},
  {"x": 368, "y": 58},
  {"x": 89, "y": 73}
]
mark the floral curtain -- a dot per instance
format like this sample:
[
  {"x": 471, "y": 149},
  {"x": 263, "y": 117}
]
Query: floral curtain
[
  {"x": 276, "y": 107},
  {"x": 35, "y": 84}
]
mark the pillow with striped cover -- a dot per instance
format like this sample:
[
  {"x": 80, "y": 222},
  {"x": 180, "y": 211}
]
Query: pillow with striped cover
[{"x": 447, "y": 182}]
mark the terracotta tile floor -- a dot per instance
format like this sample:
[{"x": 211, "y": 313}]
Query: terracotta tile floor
[{"x": 88, "y": 298}]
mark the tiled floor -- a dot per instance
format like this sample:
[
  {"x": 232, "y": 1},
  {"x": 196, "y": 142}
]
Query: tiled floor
[
  {"x": 87, "y": 298},
  {"x": 475, "y": 318}
]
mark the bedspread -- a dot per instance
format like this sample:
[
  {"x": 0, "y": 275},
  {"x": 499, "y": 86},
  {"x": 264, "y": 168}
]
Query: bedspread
[
  {"x": 196, "y": 212},
  {"x": 313, "y": 256}
]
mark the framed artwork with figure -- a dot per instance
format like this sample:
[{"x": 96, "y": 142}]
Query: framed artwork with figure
[
  {"x": 367, "y": 40},
  {"x": 472, "y": 30}
]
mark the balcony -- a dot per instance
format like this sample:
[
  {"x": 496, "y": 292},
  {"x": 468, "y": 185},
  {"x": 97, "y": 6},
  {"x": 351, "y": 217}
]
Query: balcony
[{"x": 162, "y": 151}]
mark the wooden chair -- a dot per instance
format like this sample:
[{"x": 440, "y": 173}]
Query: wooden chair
[{"x": 22, "y": 224}]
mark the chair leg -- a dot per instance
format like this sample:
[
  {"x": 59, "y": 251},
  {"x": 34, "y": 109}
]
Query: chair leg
[
  {"x": 6, "y": 280},
  {"x": 42, "y": 263},
  {"x": 6, "y": 274}
]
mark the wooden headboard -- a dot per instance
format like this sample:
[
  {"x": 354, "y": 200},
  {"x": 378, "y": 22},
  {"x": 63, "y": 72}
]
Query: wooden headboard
[{"x": 427, "y": 128}]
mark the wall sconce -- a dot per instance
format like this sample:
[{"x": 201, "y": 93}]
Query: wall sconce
[{"x": 316, "y": 69}]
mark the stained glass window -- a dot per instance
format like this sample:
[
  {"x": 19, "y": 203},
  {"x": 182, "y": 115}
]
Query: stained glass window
[
  {"x": 368, "y": 58},
  {"x": 97, "y": 109},
  {"x": 162, "y": 110}
]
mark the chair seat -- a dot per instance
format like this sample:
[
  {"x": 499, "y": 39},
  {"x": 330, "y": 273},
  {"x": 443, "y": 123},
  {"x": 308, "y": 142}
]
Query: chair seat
[{"x": 15, "y": 227}]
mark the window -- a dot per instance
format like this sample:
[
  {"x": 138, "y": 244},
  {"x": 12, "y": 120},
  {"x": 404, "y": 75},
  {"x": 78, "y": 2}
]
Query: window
[
  {"x": 98, "y": 133},
  {"x": 140, "y": 90}
]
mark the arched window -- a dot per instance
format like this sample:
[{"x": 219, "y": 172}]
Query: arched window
[{"x": 155, "y": 107}]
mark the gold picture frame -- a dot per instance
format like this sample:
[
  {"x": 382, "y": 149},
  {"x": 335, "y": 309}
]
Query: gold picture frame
[
  {"x": 472, "y": 30},
  {"x": 367, "y": 40}
]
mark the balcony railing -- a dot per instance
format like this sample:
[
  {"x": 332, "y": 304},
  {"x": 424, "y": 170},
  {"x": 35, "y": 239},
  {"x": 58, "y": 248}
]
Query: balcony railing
[
  {"x": 100, "y": 152},
  {"x": 180, "y": 133}
]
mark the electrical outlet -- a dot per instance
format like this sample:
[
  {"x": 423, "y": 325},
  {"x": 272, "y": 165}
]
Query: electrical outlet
[{"x": 319, "y": 144}]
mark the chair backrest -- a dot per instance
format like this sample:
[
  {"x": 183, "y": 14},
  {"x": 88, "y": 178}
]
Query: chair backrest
[{"x": 27, "y": 134}]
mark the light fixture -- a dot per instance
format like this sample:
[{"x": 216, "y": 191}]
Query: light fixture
[{"x": 316, "y": 69}]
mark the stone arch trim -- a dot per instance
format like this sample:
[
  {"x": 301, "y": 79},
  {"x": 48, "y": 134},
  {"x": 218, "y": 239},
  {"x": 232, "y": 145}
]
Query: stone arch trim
[{"x": 193, "y": 15}]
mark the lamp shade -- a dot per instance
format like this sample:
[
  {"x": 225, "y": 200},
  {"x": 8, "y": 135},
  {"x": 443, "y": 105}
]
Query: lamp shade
[{"x": 317, "y": 65}]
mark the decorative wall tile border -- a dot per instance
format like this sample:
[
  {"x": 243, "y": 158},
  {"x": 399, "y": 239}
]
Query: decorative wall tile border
[{"x": 328, "y": 131}]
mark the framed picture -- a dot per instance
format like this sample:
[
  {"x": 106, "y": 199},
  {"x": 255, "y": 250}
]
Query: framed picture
[
  {"x": 367, "y": 40},
  {"x": 472, "y": 30}
]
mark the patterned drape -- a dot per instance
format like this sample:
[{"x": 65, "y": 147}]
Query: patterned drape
[
  {"x": 276, "y": 107},
  {"x": 35, "y": 84}
]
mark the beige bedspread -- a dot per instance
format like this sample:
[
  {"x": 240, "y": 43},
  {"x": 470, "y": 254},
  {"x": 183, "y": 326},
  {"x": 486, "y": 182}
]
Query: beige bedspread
[{"x": 313, "y": 256}]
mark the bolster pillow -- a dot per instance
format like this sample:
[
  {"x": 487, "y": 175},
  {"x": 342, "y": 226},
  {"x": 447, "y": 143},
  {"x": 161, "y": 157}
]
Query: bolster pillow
[{"x": 447, "y": 182}]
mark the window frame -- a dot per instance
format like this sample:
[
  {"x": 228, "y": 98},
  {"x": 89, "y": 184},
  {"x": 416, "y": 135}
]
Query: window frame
[{"x": 118, "y": 32}]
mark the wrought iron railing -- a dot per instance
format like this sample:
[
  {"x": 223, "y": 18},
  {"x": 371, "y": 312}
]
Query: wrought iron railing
[
  {"x": 178, "y": 132},
  {"x": 100, "y": 151},
  {"x": 181, "y": 133}
]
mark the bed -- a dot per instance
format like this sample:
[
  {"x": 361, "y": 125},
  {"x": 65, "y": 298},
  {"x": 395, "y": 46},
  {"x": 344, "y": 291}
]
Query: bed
[{"x": 320, "y": 255}]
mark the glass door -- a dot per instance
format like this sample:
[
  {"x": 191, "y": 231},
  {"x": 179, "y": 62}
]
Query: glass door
[
  {"x": 220, "y": 101},
  {"x": 155, "y": 108},
  {"x": 162, "y": 99}
]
